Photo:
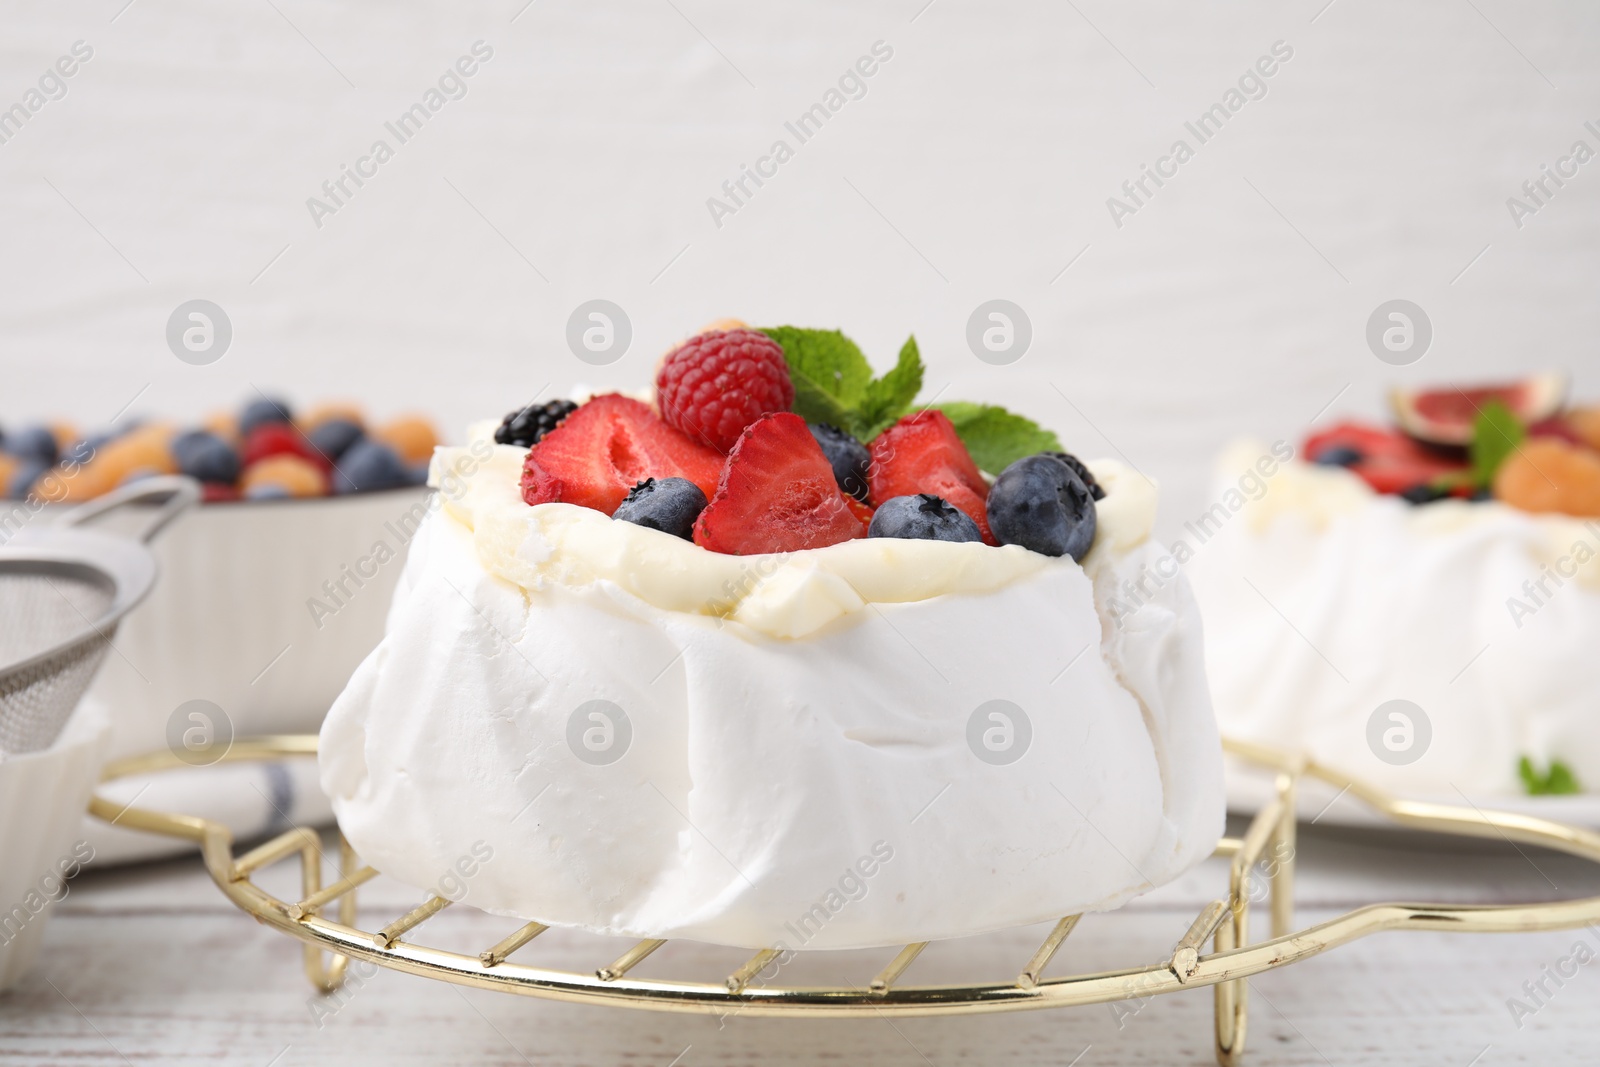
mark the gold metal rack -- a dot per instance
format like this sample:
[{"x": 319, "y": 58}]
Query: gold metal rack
[{"x": 1223, "y": 922}]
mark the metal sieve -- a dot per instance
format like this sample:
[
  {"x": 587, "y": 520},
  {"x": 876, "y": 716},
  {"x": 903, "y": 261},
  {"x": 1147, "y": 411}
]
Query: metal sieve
[{"x": 63, "y": 590}]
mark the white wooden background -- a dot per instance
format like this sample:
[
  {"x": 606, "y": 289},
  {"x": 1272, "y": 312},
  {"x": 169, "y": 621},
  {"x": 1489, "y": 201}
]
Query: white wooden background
[{"x": 152, "y": 965}]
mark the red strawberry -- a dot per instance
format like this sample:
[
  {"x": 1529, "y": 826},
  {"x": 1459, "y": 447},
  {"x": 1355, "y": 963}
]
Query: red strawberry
[
  {"x": 777, "y": 494},
  {"x": 864, "y": 512},
  {"x": 605, "y": 448},
  {"x": 280, "y": 438},
  {"x": 922, "y": 454},
  {"x": 712, "y": 386},
  {"x": 1389, "y": 461}
]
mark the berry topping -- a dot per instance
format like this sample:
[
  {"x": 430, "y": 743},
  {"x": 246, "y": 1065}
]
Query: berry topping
[
  {"x": 848, "y": 457},
  {"x": 1081, "y": 471},
  {"x": 283, "y": 475},
  {"x": 1040, "y": 504},
  {"x": 35, "y": 443},
  {"x": 1389, "y": 461},
  {"x": 261, "y": 412},
  {"x": 1547, "y": 474},
  {"x": 411, "y": 437},
  {"x": 1446, "y": 416},
  {"x": 922, "y": 454},
  {"x": 667, "y": 504},
  {"x": 777, "y": 494},
  {"x": 333, "y": 436},
  {"x": 1585, "y": 424},
  {"x": 204, "y": 456},
  {"x": 607, "y": 447},
  {"x": 1339, "y": 456},
  {"x": 277, "y": 439},
  {"x": 368, "y": 466},
  {"x": 1425, "y": 494},
  {"x": 924, "y": 517},
  {"x": 714, "y": 385},
  {"x": 527, "y": 426}
]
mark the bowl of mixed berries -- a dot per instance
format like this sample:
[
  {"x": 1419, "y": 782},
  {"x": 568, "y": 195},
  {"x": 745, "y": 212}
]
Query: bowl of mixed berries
[{"x": 274, "y": 588}]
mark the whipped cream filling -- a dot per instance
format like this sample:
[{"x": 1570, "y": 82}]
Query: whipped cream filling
[
  {"x": 651, "y": 740},
  {"x": 788, "y": 594},
  {"x": 1325, "y": 600}
]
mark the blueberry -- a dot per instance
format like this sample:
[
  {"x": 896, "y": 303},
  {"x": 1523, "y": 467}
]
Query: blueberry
[
  {"x": 848, "y": 457},
  {"x": 1482, "y": 494},
  {"x": 667, "y": 504},
  {"x": 1040, "y": 504},
  {"x": 924, "y": 517},
  {"x": 1424, "y": 494},
  {"x": 369, "y": 466},
  {"x": 261, "y": 411},
  {"x": 333, "y": 437},
  {"x": 1339, "y": 456},
  {"x": 80, "y": 452},
  {"x": 204, "y": 456},
  {"x": 35, "y": 443},
  {"x": 526, "y": 426},
  {"x": 1081, "y": 471}
]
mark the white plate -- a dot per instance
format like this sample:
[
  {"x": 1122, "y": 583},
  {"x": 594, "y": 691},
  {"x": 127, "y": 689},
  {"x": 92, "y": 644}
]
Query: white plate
[{"x": 1324, "y": 805}]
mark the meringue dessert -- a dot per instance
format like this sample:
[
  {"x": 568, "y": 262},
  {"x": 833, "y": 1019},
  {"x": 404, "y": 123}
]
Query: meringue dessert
[
  {"x": 836, "y": 701},
  {"x": 1455, "y": 570}
]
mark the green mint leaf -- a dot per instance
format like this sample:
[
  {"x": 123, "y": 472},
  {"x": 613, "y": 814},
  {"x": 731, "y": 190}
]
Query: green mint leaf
[
  {"x": 1496, "y": 433},
  {"x": 1558, "y": 780},
  {"x": 996, "y": 437},
  {"x": 889, "y": 397},
  {"x": 827, "y": 359},
  {"x": 814, "y": 404}
]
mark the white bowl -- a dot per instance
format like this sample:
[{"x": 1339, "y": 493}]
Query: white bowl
[{"x": 262, "y": 610}]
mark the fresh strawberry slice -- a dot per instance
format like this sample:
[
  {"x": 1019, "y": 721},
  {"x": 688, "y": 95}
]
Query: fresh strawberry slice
[
  {"x": 1394, "y": 474},
  {"x": 777, "y": 494},
  {"x": 605, "y": 448},
  {"x": 1360, "y": 437},
  {"x": 922, "y": 454},
  {"x": 1389, "y": 461},
  {"x": 864, "y": 512}
]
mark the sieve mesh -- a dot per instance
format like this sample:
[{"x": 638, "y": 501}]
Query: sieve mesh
[{"x": 49, "y": 646}]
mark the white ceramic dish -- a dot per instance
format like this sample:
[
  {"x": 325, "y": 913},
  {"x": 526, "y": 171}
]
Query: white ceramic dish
[{"x": 262, "y": 611}]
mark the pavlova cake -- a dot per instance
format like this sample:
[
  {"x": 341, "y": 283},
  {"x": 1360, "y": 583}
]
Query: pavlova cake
[
  {"x": 763, "y": 658},
  {"x": 1416, "y": 604}
]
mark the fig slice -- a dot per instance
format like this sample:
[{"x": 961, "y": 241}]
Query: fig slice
[{"x": 1445, "y": 416}]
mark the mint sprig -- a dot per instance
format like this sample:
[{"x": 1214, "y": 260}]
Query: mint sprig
[
  {"x": 996, "y": 437},
  {"x": 1496, "y": 433},
  {"x": 833, "y": 383},
  {"x": 1557, "y": 780}
]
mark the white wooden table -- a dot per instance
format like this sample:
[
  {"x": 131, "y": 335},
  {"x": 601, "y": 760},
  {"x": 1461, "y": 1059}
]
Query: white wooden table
[{"x": 152, "y": 965}]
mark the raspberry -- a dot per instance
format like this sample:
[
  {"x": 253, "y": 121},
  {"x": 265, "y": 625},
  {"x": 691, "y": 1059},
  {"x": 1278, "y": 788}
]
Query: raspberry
[{"x": 712, "y": 386}]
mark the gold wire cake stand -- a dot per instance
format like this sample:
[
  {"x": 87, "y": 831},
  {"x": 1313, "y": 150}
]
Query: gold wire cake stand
[{"x": 1224, "y": 922}]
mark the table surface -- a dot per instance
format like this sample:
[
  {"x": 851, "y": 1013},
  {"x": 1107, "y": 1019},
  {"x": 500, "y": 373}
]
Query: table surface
[{"x": 151, "y": 964}]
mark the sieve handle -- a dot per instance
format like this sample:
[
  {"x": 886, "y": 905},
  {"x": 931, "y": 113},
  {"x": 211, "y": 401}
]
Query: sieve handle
[{"x": 173, "y": 490}]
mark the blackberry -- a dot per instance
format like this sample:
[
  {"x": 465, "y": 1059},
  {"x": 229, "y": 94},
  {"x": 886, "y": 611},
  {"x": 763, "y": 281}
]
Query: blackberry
[
  {"x": 1081, "y": 471},
  {"x": 526, "y": 426}
]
